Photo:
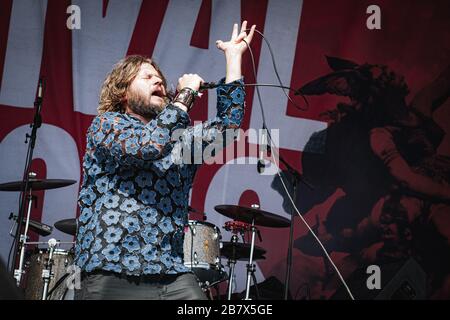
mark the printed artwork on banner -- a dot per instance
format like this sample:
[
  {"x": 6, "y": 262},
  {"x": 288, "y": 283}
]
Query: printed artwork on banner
[{"x": 372, "y": 139}]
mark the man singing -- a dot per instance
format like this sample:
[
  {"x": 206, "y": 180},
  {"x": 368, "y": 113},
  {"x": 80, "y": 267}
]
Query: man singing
[{"x": 134, "y": 196}]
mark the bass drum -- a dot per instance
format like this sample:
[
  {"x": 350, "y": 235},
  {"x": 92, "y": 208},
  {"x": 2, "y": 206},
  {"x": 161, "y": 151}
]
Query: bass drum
[{"x": 58, "y": 289}]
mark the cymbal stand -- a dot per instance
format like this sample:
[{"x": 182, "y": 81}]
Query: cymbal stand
[
  {"x": 231, "y": 264},
  {"x": 18, "y": 242},
  {"x": 297, "y": 178},
  {"x": 23, "y": 240},
  {"x": 250, "y": 265}
]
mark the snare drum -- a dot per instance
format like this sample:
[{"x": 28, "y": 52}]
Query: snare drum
[
  {"x": 202, "y": 252},
  {"x": 62, "y": 260}
]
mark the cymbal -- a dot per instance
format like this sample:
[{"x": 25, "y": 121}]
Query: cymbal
[
  {"x": 68, "y": 226},
  {"x": 36, "y": 184},
  {"x": 242, "y": 251},
  {"x": 262, "y": 218}
]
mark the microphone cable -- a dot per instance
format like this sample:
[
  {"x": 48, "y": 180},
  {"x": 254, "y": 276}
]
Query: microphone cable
[{"x": 273, "y": 151}]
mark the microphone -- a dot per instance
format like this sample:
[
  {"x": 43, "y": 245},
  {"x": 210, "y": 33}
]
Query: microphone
[
  {"x": 39, "y": 94},
  {"x": 261, "y": 165},
  {"x": 38, "y": 227}
]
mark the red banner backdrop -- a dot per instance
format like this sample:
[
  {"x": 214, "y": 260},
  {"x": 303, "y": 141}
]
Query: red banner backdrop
[{"x": 412, "y": 42}]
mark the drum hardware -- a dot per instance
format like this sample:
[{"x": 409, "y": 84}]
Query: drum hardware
[
  {"x": 46, "y": 243},
  {"x": 36, "y": 184},
  {"x": 38, "y": 227},
  {"x": 18, "y": 273},
  {"x": 27, "y": 186},
  {"x": 248, "y": 215},
  {"x": 245, "y": 220},
  {"x": 68, "y": 226},
  {"x": 236, "y": 227},
  {"x": 195, "y": 258},
  {"x": 250, "y": 266},
  {"x": 231, "y": 265},
  {"x": 241, "y": 251},
  {"x": 57, "y": 284},
  {"x": 47, "y": 270}
]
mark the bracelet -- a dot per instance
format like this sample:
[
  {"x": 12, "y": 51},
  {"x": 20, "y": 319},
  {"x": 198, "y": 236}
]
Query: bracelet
[{"x": 186, "y": 97}]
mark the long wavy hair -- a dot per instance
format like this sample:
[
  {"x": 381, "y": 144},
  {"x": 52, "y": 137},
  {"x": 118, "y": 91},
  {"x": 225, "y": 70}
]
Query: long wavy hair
[{"x": 117, "y": 82}]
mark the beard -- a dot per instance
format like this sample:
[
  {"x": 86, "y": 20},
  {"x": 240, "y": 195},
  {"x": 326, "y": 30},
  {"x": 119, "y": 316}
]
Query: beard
[{"x": 146, "y": 109}]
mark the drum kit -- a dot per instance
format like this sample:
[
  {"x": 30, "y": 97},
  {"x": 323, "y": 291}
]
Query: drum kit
[
  {"x": 43, "y": 263},
  {"x": 46, "y": 267},
  {"x": 203, "y": 248}
]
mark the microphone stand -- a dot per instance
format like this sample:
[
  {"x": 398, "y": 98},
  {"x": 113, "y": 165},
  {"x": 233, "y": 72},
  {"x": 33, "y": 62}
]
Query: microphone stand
[
  {"x": 297, "y": 177},
  {"x": 20, "y": 240}
]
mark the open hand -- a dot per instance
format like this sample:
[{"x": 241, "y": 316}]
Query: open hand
[{"x": 236, "y": 45}]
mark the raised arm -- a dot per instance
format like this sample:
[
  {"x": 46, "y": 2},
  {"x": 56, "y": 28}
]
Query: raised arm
[{"x": 234, "y": 49}]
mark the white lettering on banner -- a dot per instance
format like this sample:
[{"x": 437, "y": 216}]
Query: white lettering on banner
[
  {"x": 98, "y": 45},
  {"x": 294, "y": 132},
  {"x": 226, "y": 188},
  {"x": 173, "y": 52},
  {"x": 59, "y": 152},
  {"x": 23, "y": 53}
]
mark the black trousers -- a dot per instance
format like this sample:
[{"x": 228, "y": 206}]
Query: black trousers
[{"x": 102, "y": 285}]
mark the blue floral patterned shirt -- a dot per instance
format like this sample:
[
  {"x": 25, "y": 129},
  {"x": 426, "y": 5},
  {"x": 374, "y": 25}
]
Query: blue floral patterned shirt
[{"x": 134, "y": 195}]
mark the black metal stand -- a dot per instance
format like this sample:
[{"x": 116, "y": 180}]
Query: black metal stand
[
  {"x": 291, "y": 239},
  {"x": 37, "y": 121},
  {"x": 231, "y": 265},
  {"x": 255, "y": 283},
  {"x": 297, "y": 177},
  {"x": 250, "y": 265}
]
